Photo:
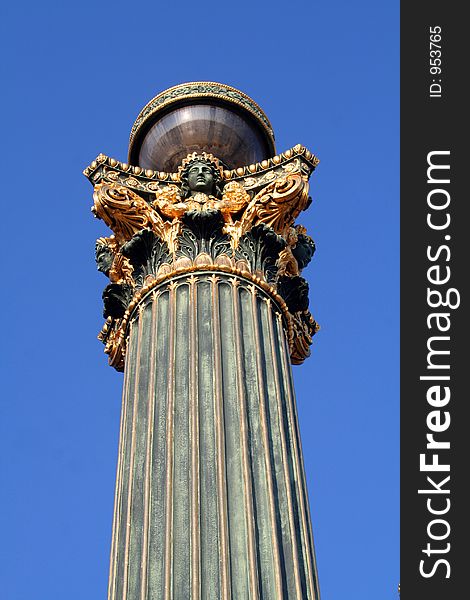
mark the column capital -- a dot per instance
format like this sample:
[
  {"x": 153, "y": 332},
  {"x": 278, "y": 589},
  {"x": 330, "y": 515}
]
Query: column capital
[{"x": 204, "y": 218}]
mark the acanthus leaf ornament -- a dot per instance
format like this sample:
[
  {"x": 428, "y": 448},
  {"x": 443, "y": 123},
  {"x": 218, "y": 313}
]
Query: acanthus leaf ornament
[
  {"x": 123, "y": 211},
  {"x": 204, "y": 219},
  {"x": 278, "y": 204}
]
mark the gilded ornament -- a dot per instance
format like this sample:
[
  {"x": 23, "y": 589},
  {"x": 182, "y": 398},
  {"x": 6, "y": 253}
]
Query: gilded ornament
[
  {"x": 203, "y": 218},
  {"x": 122, "y": 210}
]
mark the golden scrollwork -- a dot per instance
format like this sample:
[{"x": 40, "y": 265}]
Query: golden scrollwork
[
  {"x": 277, "y": 205},
  {"x": 273, "y": 198},
  {"x": 126, "y": 213},
  {"x": 123, "y": 211}
]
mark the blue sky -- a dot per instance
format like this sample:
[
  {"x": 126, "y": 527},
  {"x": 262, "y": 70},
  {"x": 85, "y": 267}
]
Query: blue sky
[{"x": 77, "y": 75}]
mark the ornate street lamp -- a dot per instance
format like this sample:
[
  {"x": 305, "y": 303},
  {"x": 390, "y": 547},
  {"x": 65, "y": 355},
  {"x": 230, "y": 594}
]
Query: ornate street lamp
[{"x": 205, "y": 311}]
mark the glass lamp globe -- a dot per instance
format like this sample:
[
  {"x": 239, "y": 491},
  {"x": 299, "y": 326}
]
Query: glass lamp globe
[{"x": 200, "y": 117}]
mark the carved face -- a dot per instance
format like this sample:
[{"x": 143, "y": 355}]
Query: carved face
[
  {"x": 104, "y": 258},
  {"x": 201, "y": 178}
]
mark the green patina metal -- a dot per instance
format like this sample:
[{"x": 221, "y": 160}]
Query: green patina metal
[
  {"x": 211, "y": 496},
  {"x": 261, "y": 478}
]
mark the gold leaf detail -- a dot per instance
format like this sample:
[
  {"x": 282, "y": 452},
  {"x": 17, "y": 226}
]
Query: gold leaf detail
[
  {"x": 203, "y": 259},
  {"x": 124, "y": 211}
]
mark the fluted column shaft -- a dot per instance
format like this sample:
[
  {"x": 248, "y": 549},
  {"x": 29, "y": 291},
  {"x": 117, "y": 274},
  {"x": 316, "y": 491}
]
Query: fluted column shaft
[{"x": 211, "y": 499}]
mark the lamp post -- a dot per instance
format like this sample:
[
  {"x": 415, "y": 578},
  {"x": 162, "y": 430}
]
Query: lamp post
[{"x": 205, "y": 311}]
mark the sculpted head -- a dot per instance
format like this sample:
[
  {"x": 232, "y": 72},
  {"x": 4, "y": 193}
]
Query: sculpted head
[
  {"x": 104, "y": 257},
  {"x": 201, "y": 177},
  {"x": 200, "y": 174}
]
